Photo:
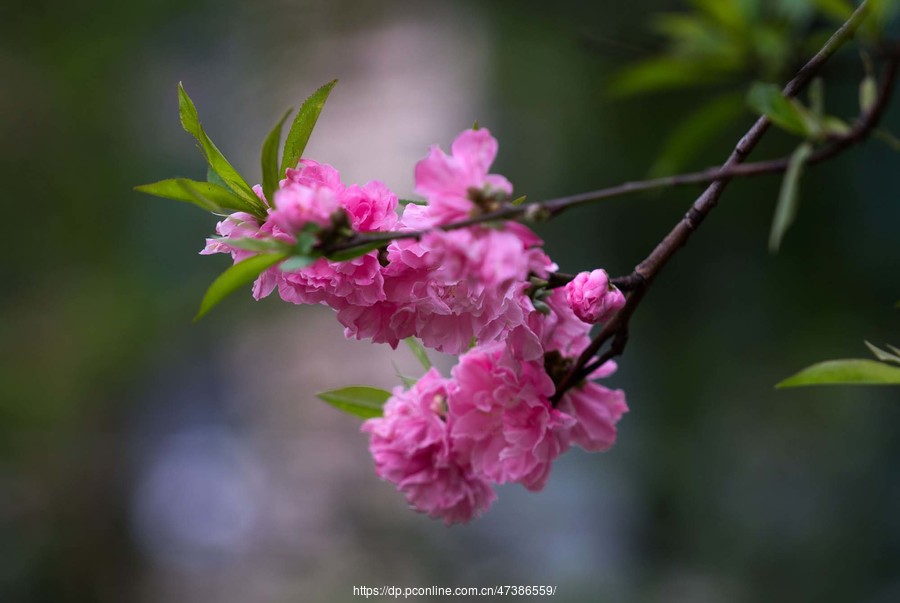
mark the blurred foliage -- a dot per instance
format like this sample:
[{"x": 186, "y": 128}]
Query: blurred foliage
[{"x": 721, "y": 46}]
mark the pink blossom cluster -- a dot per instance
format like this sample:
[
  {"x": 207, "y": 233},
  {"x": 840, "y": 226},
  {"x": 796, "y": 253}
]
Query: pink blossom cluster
[{"x": 479, "y": 292}]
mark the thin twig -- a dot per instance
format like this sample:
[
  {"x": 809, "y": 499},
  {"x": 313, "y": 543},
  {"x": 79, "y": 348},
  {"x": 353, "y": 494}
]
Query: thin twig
[
  {"x": 617, "y": 328},
  {"x": 542, "y": 210}
]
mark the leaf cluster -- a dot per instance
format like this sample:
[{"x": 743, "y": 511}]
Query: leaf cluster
[{"x": 226, "y": 191}]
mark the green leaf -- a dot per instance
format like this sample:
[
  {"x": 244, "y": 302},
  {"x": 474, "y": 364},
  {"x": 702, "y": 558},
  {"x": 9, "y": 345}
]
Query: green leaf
[
  {"x": 766, "y": 99},
  {"x": 269, "y": 160},
  {"x": 419, "y": 352},
  {"x": 354, "y": 252},
  {"x": 405, "y": 202},
  {"x": 303, "y": 126},
  {"x": 838, "y": 10},
  {"x": 214, "y": 178},
  {"x": 786, "y": 210},
  {"x": 307, "y": 238},
  {"x": 658, "y": 74},
  {"x": 889, "y": 139},
  {"x": 234, "y": 278},
  {"x": 882, "y": 355},
  {"x": 257, "y": 245},
  {"x": 407, "y": 381},
  {"x": 730, "y": 14},
  {"x": 518, "y": 200},
  {"x": 541, "y": 307},
  {"x": 207, "y": 195},
  {"x": 217, "y": 162},
  {"x": 695, "y": 131},
  {"x": 360, "y": 400},
  {"x": 835, "y": 126},
  {"x": 297, "y": 262},
  {"x": 817, "y": 97},
  {"x": 845, "y": 372},
  {"x": 868, "y": 94}
]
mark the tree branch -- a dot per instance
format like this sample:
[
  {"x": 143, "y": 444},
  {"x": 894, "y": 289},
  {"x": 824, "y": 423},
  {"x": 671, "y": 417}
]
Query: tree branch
[
  {"x": 644, "y": 273},
  {"x": 732, "y": 168}
]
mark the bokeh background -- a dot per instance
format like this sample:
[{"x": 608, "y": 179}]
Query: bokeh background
[{"x": 143, "y": 458}]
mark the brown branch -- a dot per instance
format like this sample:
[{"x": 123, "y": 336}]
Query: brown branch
[
  {"x": 543, "y": 210},
  {"x": 644, "y": 273}
]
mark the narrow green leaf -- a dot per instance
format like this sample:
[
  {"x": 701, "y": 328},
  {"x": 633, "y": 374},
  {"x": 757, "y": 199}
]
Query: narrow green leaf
[
  {"x": 786, "y": 210},
  {"x": 302, "y": 127},
  {"x": 207, "y": 195},
  {"x": 214, "y": 178},
  {"x": 817, "y": 97},
  {"x": 657, "y": 74},
  {"x": 845, "y": 372},
  {"x": 360, "y": 400},
  {"x": 868, "y": 93},
  {"x": 217, "y": 162},
  {"x": 766, "y": 99},
  {"x": 269, "y": 160},
  {"x": 297, "y": 262},
  {"x": 407, "y": 381},
  {"x": 519, "y": 200},
  {"x": 257, "y": 245},
  {"x": 234, "y": 278},
  {"x": 835, "y": 126},
  {"x": 882, "y": 355},
  {"x": 419, "y": 352},
  {"x": 888, "y": 138},
  {"x": 412, "y": 202},
  {"x": 355, "y": 252},
  {"x": 694, "y": 133}
]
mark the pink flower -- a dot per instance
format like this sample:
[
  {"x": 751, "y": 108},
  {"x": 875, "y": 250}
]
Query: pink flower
[
  {"x": 484, "y": 257},
  {"x": 238, "y": 225},
  {"x": 560, "y": 330},
  {"x": 356, "y": 281},
  {"x": 502, "y": 419},
  {"x": 596, "y": 410},
  {"x": 309, "y": 193},
  {"x": 592, "y": 297},
  {"x": 462, "y": 284},
  {"x": 297, "y": 205},
  {"x": 412, "y": 449},
  {"x": 371, "y": 207},
  {"x": 456, "y": 185},
  {"x": 382, "y": 322},
  {"x": 316, "y": 175}
]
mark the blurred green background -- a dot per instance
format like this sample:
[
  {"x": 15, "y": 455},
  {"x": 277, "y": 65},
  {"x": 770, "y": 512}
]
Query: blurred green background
[{"x": 143, "y": 458}]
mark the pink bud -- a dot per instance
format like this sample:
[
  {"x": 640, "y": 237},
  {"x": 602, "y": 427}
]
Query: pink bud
[{"x": 592, "y": 297}]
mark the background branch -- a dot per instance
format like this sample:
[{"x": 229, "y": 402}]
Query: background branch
[
  {"x": 617, "y": 328},
  {"x": 734, "y": 167}
]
